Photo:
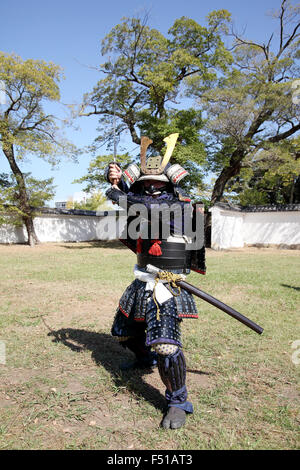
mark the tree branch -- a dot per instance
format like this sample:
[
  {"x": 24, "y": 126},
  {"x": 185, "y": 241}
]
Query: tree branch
[
  {"x": 13, "y": 102},
  {"x": 281, "y": 24},
  {"x": 285, "y": 135},
  {"x": 293, "y": 36},
  {"x": 251, "y": 43}
]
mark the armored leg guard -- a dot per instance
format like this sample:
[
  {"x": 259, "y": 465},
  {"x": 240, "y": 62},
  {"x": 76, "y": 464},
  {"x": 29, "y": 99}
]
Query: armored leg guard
[
  {"x": 172, "y": 370},
  {"x": 145, "y": 358}
]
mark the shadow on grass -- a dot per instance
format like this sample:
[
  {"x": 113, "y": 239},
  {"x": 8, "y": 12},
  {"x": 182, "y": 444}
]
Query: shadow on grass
[
  {"x": 95, "y": 244},
  {"x": 108, "y": 353}
]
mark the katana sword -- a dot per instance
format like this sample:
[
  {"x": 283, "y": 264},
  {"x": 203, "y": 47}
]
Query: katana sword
[
  {"x": 212, "y": 300},
  {"x": 114, "y": 120},
  {"x": 114, "y": 117}
]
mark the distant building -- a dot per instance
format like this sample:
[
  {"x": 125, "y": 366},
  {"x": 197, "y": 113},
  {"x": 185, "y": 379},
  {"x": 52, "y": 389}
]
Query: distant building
[{"x": 60, "y": 204}]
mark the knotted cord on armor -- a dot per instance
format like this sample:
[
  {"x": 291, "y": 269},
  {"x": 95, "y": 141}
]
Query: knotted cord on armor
[{"x": 171, "y": 279}]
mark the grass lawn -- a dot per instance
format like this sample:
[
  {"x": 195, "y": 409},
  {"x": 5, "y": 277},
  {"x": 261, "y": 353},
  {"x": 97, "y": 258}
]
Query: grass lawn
[{"x": 60, "y": 384}]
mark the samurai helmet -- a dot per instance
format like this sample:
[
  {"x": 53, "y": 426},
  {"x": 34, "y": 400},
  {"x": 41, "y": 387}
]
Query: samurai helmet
[{"x": 156, "y": 168}]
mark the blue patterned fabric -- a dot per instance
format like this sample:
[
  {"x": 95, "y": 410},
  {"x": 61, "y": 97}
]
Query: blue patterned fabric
[
  {"x": 137, "y": 312},
  {"x": 135, "y": 301}
]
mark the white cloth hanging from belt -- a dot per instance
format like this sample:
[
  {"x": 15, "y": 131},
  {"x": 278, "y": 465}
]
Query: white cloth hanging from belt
[{"x": 162, "y": 294}]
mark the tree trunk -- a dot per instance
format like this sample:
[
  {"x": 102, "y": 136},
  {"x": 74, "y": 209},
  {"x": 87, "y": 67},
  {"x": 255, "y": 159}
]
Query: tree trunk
[
  {"x": 296, "y": 199},
  {"x": 32, "y": 237},
  {"x": 237, "y": 156},
  {"x": 228, "y": 172},
  {"x": 23, "y": 202}
]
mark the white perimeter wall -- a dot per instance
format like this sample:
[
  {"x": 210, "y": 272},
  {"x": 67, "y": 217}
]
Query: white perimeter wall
[
  {"x": 230, "y": 229},
  {"x": 58, "y": 228},
  {"x": 235, "y": 229}
]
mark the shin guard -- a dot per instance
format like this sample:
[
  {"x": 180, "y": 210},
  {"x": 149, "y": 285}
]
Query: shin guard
[{"x": 172, "y": 370}]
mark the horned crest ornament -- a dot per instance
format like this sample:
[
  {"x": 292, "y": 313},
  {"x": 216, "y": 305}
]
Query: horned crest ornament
[{"x": 156, "y": 167}]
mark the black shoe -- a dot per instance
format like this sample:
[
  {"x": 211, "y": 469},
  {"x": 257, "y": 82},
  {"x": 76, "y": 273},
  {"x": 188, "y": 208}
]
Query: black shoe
[{"x": 174, "y": 419}]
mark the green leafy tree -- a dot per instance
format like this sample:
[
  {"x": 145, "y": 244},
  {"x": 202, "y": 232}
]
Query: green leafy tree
[
  {"x": 272, "y": 176},
  {"x": 252, "y": 106},
  {"x": 25, "y": 128},
  {"x": 95, "y": 177},
  {"x": 8, "y": 212},
  {"x": 38, "y": 192},
  {"x": 141, "y": 89},
  {"x": 70, "y": 203},
  {"x": 96, "y": 202}
]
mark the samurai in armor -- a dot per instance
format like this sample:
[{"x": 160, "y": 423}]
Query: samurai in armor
[{"x": 150, "y": 313}]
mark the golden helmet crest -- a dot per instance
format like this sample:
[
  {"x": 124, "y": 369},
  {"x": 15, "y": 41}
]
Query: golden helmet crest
[{"x": 155, "y": 167}]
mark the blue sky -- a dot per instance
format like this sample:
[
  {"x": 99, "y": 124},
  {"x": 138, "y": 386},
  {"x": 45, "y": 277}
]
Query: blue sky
[{"x": 69, "y": 33}]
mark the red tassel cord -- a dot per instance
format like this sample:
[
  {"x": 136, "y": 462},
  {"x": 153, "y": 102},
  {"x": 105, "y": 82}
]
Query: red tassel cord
[
  {"x": 139, "y": 244},
  {"x": 155, "y": 249}
]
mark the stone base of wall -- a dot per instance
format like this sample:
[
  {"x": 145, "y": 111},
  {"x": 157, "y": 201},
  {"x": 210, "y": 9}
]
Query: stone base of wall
[{"x": 280, "y": 246}]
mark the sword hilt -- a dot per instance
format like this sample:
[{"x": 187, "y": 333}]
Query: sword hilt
[{"x": 152, "y": 269}]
